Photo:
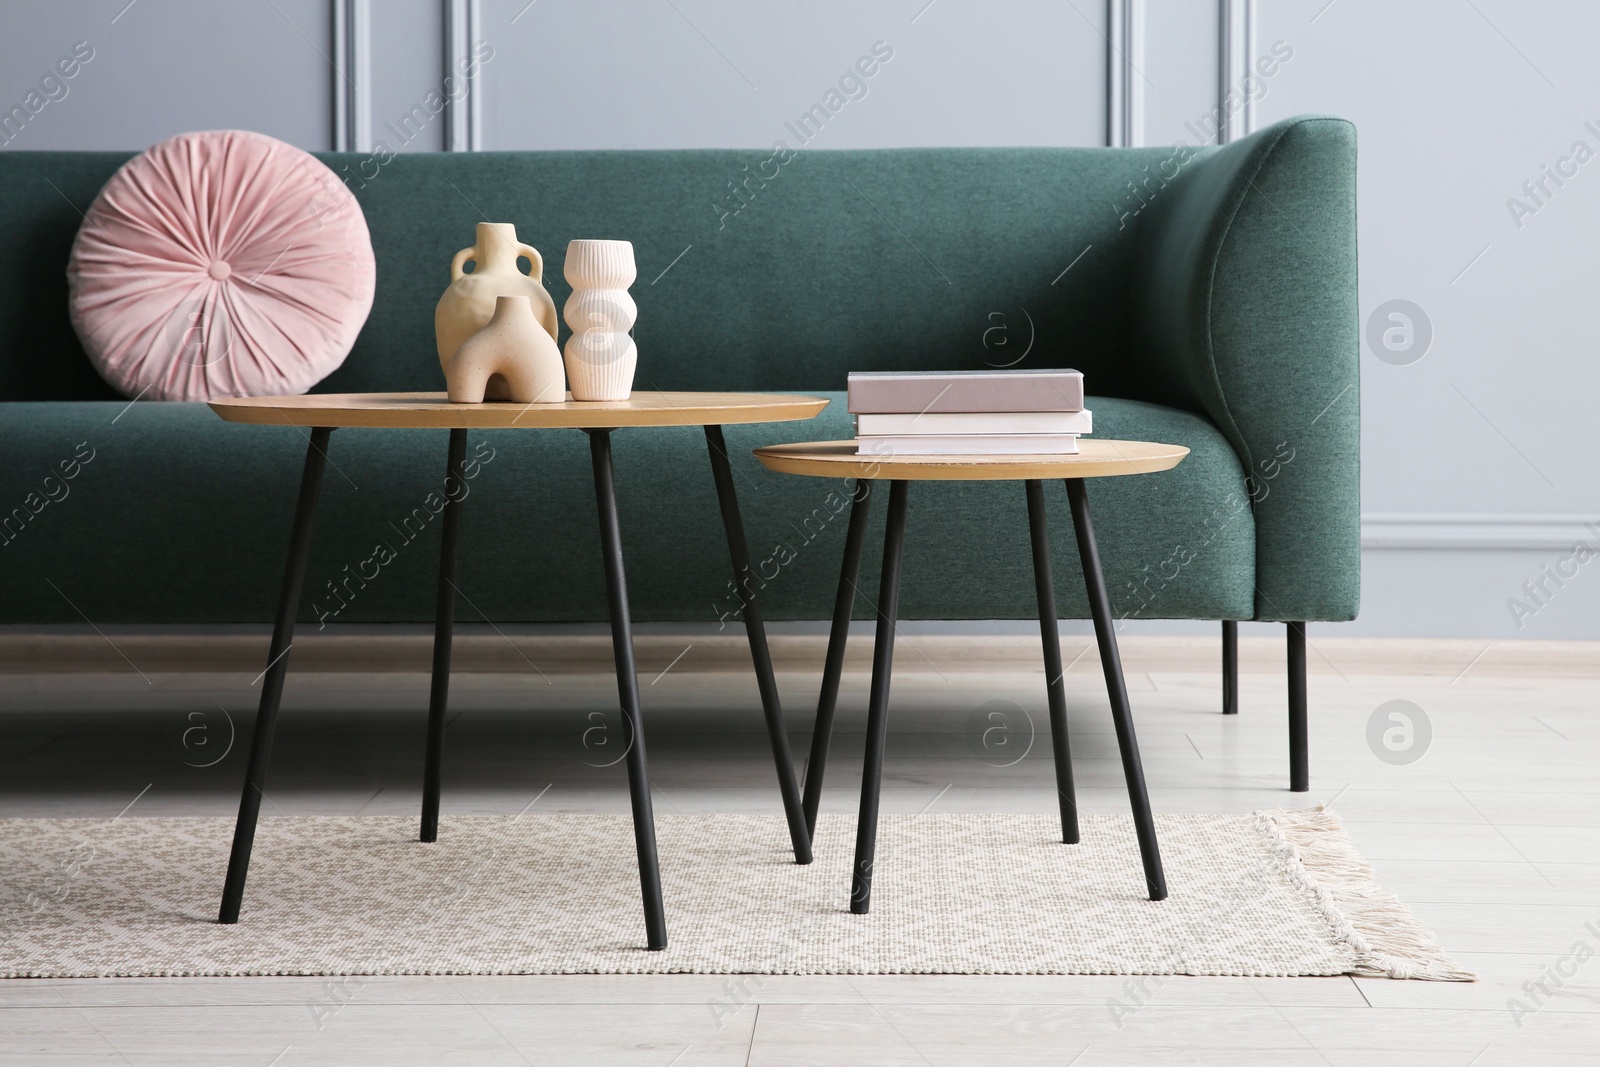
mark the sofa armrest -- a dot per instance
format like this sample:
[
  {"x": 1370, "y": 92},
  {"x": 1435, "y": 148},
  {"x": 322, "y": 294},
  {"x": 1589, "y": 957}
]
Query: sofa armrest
[{"x": 1245, "y": 310}]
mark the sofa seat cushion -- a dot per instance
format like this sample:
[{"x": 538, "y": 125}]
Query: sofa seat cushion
[{"x": 172, "y": 516}]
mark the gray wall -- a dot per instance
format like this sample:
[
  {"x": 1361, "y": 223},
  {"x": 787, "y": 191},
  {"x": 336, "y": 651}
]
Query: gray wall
[
  {"x": 407, "y": 42},
  {"x": 1477, "y": 457},
  {"x": 162, "y": 67},
  {"x": 727, "y": 73},
  {"x": 1476, "y": 472}
]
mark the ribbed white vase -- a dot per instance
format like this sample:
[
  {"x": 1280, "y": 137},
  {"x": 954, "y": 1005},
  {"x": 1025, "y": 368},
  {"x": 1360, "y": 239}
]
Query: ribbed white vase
[{"x": 600, "y": 355}]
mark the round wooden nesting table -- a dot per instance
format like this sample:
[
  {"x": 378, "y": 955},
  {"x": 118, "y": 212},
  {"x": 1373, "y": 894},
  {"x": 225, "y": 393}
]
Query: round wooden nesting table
[
  {"x": 1097, "y": 458},
  {"x": 415, "y": 411},
  {"x": 318, "y": 415}
]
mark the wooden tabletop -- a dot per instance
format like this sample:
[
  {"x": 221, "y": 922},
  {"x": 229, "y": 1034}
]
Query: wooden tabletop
[
  {"x": 1098, "y": 458},
  {"x": 421, "y": 410}
]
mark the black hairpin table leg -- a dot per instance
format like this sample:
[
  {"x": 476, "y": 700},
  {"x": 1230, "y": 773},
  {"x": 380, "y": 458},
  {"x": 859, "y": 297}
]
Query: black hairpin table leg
[
  {"x": 255, "y": 775},
  {"x": 838, "y": 636},
  {"x": 1049, "y": 634},
  {"x": 443, "y": 627},
  {"x": 894, "y": 536},
  {"x": 760, "y": 656},
  {"x": 1117, "y": 689},
  {"x": 644, "y": 823}
]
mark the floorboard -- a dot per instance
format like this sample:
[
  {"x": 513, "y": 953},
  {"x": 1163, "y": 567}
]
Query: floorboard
[{"x": 1492, "y": 836}]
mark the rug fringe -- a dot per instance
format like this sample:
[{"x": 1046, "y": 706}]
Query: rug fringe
[{"x": 1316, "y": 854}]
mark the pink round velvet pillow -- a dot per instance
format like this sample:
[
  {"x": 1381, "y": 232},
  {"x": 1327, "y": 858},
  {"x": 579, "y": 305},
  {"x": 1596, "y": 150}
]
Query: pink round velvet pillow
[{"x": 219, "y": 264}]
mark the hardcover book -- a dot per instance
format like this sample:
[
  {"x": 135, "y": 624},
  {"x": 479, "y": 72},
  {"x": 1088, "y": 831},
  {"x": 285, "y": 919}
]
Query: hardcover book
[
  {"x": 952, "y": 422},
  {"x": 916, "y": 392},
  {"x": 998, "y": 444}
]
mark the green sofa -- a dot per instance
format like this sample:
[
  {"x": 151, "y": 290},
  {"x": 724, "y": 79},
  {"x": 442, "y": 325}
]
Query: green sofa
[{"x": 1208, "y": 295}]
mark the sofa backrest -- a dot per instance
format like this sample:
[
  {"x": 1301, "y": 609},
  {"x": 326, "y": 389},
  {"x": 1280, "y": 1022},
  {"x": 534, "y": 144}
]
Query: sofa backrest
[{"x": 757, "y": 269}]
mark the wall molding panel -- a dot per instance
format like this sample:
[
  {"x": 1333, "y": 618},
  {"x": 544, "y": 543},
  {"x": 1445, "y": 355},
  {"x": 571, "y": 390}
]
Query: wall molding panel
[
  {"x": 1236, "y": 49},
  {"x": 1479, "y": 532},
  {"x": 1124, "y": 73},
  {"x": 352, "y": 80},
  {"x": 463, "y": 21}
]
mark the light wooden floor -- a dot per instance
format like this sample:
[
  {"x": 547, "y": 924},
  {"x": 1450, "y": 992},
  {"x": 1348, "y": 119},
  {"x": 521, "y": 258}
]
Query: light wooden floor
[{"x": 1492, "y": 837}]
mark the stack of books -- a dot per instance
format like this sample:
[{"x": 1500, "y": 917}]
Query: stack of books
[{"x": 972, "y": 413}]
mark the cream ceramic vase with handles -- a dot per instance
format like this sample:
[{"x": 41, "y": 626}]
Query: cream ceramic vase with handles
[{"x": 468, "y": 305}]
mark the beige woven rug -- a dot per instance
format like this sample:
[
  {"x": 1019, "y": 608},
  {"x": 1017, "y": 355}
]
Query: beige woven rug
[{"x": 1274, "y": 893}]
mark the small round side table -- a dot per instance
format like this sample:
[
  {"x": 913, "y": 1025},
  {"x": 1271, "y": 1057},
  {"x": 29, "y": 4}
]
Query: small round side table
[
  {"x": 318, "y": 415},
  {"x": 1098, "y": 458}
]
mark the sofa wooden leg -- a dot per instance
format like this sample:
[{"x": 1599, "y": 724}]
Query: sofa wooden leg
[
  {"x": 1299, "y": 757},
  {"x": 1230, "y": 667}
]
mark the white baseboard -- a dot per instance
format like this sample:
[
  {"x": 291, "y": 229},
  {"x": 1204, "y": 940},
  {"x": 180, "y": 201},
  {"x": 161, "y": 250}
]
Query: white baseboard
[{"x": 1487, "y": 576}]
